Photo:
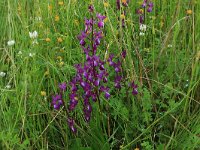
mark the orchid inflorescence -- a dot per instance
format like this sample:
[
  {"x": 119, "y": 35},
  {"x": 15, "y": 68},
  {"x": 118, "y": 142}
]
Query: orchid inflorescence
[
  {"x": 92, "y": 78},
  {"x": 147, "y": 4}
]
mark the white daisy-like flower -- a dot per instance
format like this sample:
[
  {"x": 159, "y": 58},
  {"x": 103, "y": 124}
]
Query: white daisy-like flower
[
  {"x": 8, "y": 86},
  {"x": 20, "y": 53},
  {"x": 2, "y": 74},
  {"x": 143, "y": 27},
  {"x": 33, "y": 35},
  {"x": 31, "y": 54},
  {"x": 11, "y": 42},
  {"x": 141, "y": 34}
]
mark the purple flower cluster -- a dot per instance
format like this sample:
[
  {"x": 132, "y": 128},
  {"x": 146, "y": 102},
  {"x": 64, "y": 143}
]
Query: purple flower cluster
[
  {"x": 91, "y": 79},
  {"x": 146, "y": 4},
  {"x": 57, "y": 100}
]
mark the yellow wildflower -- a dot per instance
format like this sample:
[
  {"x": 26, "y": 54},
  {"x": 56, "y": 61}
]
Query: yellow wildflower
[
  {"x": 50, "y": 7},
  {"x": 141, "y": 11},
  {"x": 43, "y": 93},
  {"x": 57, "y": 18},
  {"x": 60, "y": 3},
  {"x": 60, "y": 58},
  {"x": 106, "y": 4},
  {"x": 59, "y": 40},
  {"x": 61, "y": 63},
  {"x": 46, "y": 73},
  {"x": 47, "y": 39},
  {"x": 136, "y": 148},
  {"x": 62, "y": 50},
  {"x": 124, "y": 1},
  {"x": 76, "y": 22},
  {"x": 105, "y": 20},
  {"x": 189, "y": 12},
  {"x": 122, "y": 16}
]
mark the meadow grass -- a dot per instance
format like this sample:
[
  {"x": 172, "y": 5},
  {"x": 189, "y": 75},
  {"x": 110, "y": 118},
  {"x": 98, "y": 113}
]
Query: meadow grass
[{"x": 165, "y": 64}]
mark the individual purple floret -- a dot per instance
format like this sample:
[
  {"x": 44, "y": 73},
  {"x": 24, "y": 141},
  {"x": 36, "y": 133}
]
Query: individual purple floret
[
  {"x": 87, "y": 110},
  {"x": 100, "y": 22},
  {"x": 118, "y": 79},
  {"x": 150, "y": 4},
  {"x": 91, "y": 8},
  {"x": 118, "y": 4},
  {"x": 106, "y": 91},
  {"x": 134, "y": 88},
  {"x": 73, "y": 101},
  {"x": 57, "y": 101},
  {"x": 62, "y": 86},
  {"x": 150, "y": 9},
  {"x": 123, "y": 54},
  {"x": 71, "y": 124},
  {"x": 144, "y": 4}
]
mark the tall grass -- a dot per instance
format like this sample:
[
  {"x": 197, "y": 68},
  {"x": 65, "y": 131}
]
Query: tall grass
[{"x": 164, "y": 62}]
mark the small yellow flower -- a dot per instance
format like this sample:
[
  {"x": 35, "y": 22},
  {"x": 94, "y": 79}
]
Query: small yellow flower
[
  {"x": 106, "y": 4},
  {"x": 189, "y": 12},
  {"x": 62, "y": 50},
  {"x": 76, "y": 22},
  {"x": 60, "y": 3},
  {"x": 76, "y": 98},
  {"x": 47, "y": 39},
  {"x": 124, "y": 1},
  {"x": 61, "y": 63},
  {"x": 141, "y": 11},
  {"x": 122, "y": 16},
  {"x": 46, "y": 73},
  {"x": 59, "y": 40},
  {"x": 105, "y": 20},
  {"x": 59, "y": 58},
  {"x": 136, "y": 148},
  {"x": 57, "y": 18},
  {"x": 43, "y": 93},
  {"x": 50, "y": 7}
]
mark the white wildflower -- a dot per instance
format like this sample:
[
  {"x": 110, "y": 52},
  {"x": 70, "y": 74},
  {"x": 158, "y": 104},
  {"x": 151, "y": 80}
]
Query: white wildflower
[
  {"x": 8, "y": 86},
  {"x": 11, "y": 43},
  {"x": 31, "y": 54},
  {"x": 20, "y": 53},
  {"x": 33, "y": 35},
  {"x": 38, "y": 18},
  {"x": 142, "y": 34},
  {"x": 143, "y": 27},
  {"x": 169, "y": 46},
  {"x": 2, "y": 74}
]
